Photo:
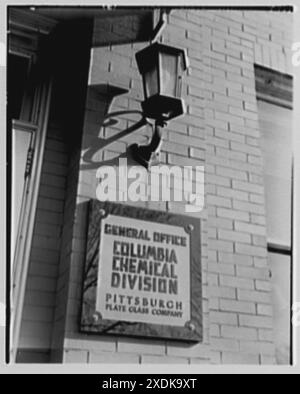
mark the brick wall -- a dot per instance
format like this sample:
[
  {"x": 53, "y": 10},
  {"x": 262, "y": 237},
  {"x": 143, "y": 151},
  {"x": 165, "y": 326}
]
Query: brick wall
[
  {"x": 220, "y": 131},
  {"x": 241, "y": 300},
  {"x": 63, "y": 287}
]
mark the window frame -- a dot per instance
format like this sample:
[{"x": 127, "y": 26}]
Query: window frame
[
  {"x": 33, "y": 116},
  {"x": 276, "y": 88}
]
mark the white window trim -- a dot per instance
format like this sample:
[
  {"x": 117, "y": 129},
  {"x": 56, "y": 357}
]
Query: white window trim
[
  {"x": 20, "y": 23},
  {"x": 276, "y": 88}
]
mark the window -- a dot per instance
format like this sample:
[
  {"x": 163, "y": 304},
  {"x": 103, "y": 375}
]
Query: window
[
  {"x": 29, "y": 93},
  {"x": 274, "y": 93}
]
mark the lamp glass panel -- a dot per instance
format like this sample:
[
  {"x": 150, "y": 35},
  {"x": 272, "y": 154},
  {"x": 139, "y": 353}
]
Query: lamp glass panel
[
  {"x": 151, "y": 82},
  {"x": 169, "y": 70}
]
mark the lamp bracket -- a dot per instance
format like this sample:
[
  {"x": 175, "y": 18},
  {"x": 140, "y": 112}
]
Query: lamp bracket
[{"x": 149, "y": 155}]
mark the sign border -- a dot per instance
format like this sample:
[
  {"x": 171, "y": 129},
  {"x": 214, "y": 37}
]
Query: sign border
[{"x": 91, "y": 322}]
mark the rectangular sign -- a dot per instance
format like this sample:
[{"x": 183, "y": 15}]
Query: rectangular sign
[{"x": 142, "y": 274}]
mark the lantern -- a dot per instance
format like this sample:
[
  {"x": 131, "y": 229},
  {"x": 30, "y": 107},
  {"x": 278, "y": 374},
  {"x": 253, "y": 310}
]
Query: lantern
[{"x": 161, "y": 67}]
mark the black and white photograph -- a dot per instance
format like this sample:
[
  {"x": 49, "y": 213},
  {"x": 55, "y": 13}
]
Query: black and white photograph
[{"x": 150, "y": 167}]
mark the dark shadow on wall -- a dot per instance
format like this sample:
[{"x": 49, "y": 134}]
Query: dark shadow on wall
[
  {"x": 100, "y": 99},
  {"x": 123, "y": 26}
]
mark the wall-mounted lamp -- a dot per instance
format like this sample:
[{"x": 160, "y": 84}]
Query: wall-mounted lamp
[{"x": 161, "y": 67}]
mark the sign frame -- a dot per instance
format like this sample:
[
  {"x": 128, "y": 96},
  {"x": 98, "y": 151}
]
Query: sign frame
[{"x": 91, "y": 321}]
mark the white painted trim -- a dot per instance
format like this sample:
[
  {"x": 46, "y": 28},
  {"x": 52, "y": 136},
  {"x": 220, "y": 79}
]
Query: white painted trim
[{"x": 25, "y": 235}]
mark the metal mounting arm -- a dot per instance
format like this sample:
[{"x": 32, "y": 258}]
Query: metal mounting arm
[{"x": 148, "y": 155}]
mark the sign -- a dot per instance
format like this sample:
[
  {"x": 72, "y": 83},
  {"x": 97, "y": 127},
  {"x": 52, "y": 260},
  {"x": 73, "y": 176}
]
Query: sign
[
  {"x": 144, "y": 272},
  {"x": 140, "y": 275}
]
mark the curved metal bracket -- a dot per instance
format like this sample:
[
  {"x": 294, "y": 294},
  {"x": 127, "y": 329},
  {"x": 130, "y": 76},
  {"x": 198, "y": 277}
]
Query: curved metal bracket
[{"x": 149, "y": 155}]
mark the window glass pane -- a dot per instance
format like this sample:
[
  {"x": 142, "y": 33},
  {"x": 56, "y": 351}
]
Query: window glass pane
[
  {"x": 281, "y": 280},
  {"x": 276, "y": 141},
  {"x": 168, "y": 74}
]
